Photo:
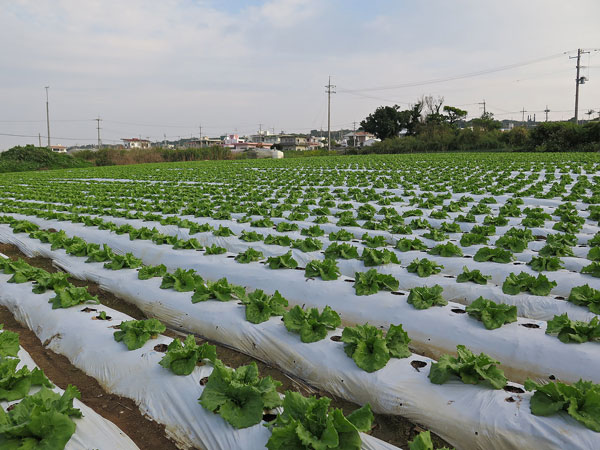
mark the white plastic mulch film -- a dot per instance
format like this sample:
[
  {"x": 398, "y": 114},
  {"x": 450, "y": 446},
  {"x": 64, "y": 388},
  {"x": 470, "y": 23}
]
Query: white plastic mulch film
[
  {"x": 167, "y": 398},
  {"x": 467, "y": 416}
]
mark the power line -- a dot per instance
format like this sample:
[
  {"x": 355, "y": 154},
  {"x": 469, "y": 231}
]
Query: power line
[{"x": 457, "y": 77}]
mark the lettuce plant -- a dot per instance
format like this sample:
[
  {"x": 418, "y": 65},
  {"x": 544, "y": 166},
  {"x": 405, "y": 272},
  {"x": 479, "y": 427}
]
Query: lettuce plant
[
  {"x": 473, "y": 276},
  {"x": 512, "y": 243},
  {"x": 147, "y": 272},
  {"x": 41, "y": 420},
  {"x": 307, "y": 245},
  {"x": 577, "y": 399},
  {"x": 70, "y": 296},
  {"x": 468, "y": 239},
  {"x": 593, "y": 269},
  {"x": 260, "y": 306},
  {"x": 373, "y": 241},
  {"x": 311, "y": 325},
  {"x": 424, "y": 267},
  {"x": 423, "y": 442},
  {"x": 371, "y": 282},
  {"x": 310, "y": 423},
  {"x": 341, "y": 235},
  {"x": 285, "y": 261},
  {"x": 248, "y": 256},
  {"x": 127, "y": 261},
  {"x": 493, "y": 315},
  {"x": 223, "y": 231},
  {"x": 523, "y": 282},
  {"x": 368, "y": 348},
  {"x": 15, "y": 384},
  {"x": 425, "y": 297},
  {"x": 181, "y": 359},
  {"x": 586, "y": 296},
  {"x": 215, "y": 250},
  {"x": 189, "y": 244},
  {"x": 251, "y": 236},
  {"x": 220, "y": 290},
  {"x": 407, "y": 245},
  {"x": 313, "y": 231},
  {"x": 181, "y": 280},
  {"x": 343, "y": 251},
  {"x": 283, "y": 241},
  {"x": 286, "y": 226},
  {"x": 435, "y": 235},
  {"x": 574, "y": 331},
  {"x": 239, "y": 396},
  {"x": 446, "y": 250},
  {"x": 497, "y": 255},
  {"x": 594, "y": 254},
  {"x": 545, "y": 264},
  {"x": 326, "y": 269},
  {"x": 135, "y": 333},
  {"x": 470, "y": 368},
  {"x": 373, "y": 257},
  {"x": 45, "y": 281}
]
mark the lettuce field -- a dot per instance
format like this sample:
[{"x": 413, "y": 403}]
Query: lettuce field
[{"x": 460, "y": 292}]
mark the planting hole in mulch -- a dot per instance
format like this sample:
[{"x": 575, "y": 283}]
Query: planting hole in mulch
[
  {"x": 530, "y": 325},
  {"x": 540, "y": 238},
  {"x": 336, "y": 338},
  {"x": 300, "y": 268},
  {"x": 116, "y": 327},
  {"x": 107, "y": 318},
  {"x": 458, "y": 311},
  {"x": 86, "y": 309},
  {"x": 448, "y": 276},
  {"x": 269, "y": 417},
  {"x": 203, "y": 381},
  {"x": 349, "y": 280},
  {"x": 509, "y": 400},
  {"x": 513, "y": 389},
  {"x": 467, "y": 256},
  {"x": 230, "y": 256},
  {"x": 552, "y": 377},
  {"x": 161, "y": 348},
  {"x": 397, "y": 293},
  {"x": 558, "y": 297},
  {"x": 418, "y": 365}
]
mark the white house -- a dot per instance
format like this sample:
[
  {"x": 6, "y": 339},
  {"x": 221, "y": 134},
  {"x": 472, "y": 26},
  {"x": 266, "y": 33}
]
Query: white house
[
  {"x": 136, "y": 143},
  {"x": 58, "y": 148}
]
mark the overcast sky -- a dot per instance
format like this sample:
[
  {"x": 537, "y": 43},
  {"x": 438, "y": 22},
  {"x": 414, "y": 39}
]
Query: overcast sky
[{"x": 155, "y": 67}]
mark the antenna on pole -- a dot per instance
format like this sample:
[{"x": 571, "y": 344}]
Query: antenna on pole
[
  {"x": 330, "y": 90},
  {"x": 47, "y": 114},
  {"x": 546, "y": 111},
  {"x": 98, "y": 127}
]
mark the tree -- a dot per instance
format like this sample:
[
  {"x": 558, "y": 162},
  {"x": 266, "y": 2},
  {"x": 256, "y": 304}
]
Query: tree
[
  {"x": 385, "y": 122},
  {"x": 454, "y": 115},
  {"x": 486, "y": 122}
]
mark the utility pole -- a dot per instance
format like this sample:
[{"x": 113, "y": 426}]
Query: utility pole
[
  {"x": 578, "y": 80},
  {"x": 483, "y": 103},
  {"x": 354, "y": 134},
  {"x": 329, "y": 91},
  {"x": 98, "y": 127},
  {"x": 260, "y": 132},
  {"x": 40, "y": 139},
  {"x": 48, "y": 115},
  {"x": 200, "y": 135},
  {"x": 546, "y": 111},
  {"x": 523, "y": 117}
]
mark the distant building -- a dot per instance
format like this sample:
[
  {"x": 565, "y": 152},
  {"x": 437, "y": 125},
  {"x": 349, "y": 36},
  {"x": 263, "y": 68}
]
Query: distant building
[
  {"x": 357, "y": 138},
  {"x": 136, "y": 143},
  {"x": 292, "y": 142},
  {"x": 198, "y": 143},
  {"x": 58, "y": 148}
]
